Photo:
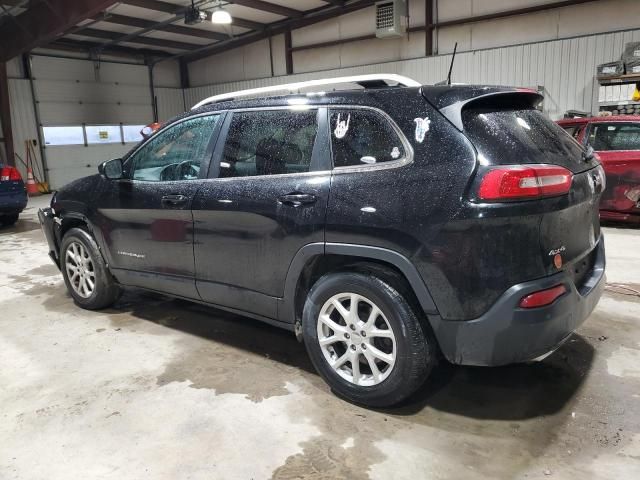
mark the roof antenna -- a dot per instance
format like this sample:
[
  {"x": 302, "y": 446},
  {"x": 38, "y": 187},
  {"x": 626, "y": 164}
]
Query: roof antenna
[{"x": 453, "y": 57}]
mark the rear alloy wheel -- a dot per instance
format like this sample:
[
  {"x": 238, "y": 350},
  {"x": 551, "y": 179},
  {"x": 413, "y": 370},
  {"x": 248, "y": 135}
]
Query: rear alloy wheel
[
  {"x": 356, "y": 339},
  {"x": 85, "y": 272},
  {"x": 365, "y": 339}
]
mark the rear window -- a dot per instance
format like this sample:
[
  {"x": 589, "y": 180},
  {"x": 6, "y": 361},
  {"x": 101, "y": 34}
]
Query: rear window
[
  {"x": 615, "y": 136},
  {"x": 520, "y": 136}
]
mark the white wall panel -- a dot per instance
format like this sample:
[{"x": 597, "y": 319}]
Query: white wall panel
[
  {"x": 70, "y": 162},
  {"x": 23, "y": 121},
  {"x": 14, "y": 68},
  {"x": 589, "y": 18},
  {"x": 170, "y": 102},
  {"x": 565, "y": 68}
]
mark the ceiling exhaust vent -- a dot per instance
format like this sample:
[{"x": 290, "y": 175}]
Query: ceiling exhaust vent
[{"x": 391, "y": 18}]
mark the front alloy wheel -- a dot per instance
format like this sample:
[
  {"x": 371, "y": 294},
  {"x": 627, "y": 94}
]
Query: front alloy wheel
[
  {"x": 85, "y": 272},
  {"x": 80, "y": 270}
]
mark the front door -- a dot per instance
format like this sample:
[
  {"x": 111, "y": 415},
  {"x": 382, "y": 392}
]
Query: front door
[
  {"x": 146, "y": 219},
  {"x": 266, "y": 199}
]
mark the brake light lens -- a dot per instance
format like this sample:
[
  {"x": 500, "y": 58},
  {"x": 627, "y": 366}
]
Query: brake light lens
[
  {"x": 543, "y": 297},
  {"x": 520, "y": 182},
  {"x": 9, "y": 174}
]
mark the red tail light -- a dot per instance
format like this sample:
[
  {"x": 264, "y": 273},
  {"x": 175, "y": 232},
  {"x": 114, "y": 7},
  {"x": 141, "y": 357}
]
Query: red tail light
[
  {"x": 543, "y": 297},
  {"x": 9, "y": 174},
  {"x": 524, "y": 182}
]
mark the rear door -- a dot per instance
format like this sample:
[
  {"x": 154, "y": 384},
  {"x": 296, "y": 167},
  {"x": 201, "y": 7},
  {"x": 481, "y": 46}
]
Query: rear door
[
  {"x": 618, "y": 145},
  {"x": 146, "y": 218},
  {"x": 266, "y": 199}
]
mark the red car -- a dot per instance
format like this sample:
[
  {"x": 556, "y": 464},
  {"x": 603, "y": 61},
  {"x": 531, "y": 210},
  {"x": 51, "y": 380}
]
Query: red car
[{"x": 616, "y": 140}]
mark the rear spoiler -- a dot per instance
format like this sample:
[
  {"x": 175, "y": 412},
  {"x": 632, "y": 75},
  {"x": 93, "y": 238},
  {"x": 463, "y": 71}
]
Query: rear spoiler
[{"x": 451, "y": 101}]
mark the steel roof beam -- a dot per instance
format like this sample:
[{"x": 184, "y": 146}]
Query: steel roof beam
[
  {"x": 311, "y": 18},
  {"x": 119, "y": 37},
  {"x": 43, "y": 22},
  {"x": 174, "y": 9},
  {"x": 142, "y": 23}
]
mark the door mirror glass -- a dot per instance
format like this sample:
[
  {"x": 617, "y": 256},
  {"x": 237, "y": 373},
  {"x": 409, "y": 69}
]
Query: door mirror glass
[{"x": 111, "y": 169}]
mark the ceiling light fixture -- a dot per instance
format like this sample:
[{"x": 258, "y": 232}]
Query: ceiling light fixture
[{"x": 221, "y": 16}]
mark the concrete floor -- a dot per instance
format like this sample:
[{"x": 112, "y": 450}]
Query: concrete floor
[{"x": 161, "y": 389}]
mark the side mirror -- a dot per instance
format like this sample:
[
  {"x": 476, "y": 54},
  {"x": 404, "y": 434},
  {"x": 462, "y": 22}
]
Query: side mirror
[
  {"x": 111, "y": 169},
  {"x": 588, "y": 153}
]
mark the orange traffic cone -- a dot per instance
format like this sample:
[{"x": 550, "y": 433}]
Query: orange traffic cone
[{"x": 32, "y": 186}]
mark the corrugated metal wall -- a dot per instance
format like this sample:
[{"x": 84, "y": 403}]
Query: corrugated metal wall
[
  {"x": 565, "y": 68},
  {"x": 23, "y": 120},
  {"x": 170, "y": 102}
]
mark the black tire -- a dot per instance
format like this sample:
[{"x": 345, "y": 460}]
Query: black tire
[
  {"x": 415, "y": 345},
  {"x": 106, "y": 291},
  {"x": 8, "y": 220}
]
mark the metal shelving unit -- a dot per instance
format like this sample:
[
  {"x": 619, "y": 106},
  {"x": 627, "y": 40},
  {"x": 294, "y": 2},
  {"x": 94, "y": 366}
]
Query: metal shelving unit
[{"x": 620, "y": 87}]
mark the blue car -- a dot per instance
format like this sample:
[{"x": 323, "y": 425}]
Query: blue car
[{"x": 13, "y": 195}]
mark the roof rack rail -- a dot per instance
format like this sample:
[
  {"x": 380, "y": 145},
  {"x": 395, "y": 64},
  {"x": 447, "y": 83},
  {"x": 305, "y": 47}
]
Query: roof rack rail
[{"x": 374, "y": 80}]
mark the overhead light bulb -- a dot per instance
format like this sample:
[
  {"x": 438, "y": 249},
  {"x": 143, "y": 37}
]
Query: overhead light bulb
[{"x": 221, "y": 16}]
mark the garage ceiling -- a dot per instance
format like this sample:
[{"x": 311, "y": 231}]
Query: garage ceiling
[{"x": 153, "y": 28}]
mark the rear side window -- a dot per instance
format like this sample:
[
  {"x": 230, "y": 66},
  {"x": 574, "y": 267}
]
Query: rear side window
[
  {"x": 506, "y": 136},
  {"x": 363, "y": 137},
  {"x": 615, "y": 136},
  {"x": 270, "y": 142}
]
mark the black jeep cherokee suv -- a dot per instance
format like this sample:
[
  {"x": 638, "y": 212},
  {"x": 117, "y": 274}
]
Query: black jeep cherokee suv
[{"x": 382, "y": 225}]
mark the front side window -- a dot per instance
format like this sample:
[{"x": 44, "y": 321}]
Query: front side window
[
  {"x": 363, "y": 137},
  {"x": 615, "y": 136},
  {"x": 175, "y": 154},
  {"x": 269, "y": 142}
]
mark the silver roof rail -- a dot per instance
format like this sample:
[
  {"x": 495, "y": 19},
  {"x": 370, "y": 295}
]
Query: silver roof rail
[{"x": 294, "y": 87}]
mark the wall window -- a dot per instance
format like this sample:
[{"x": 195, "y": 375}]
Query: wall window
[
  {"x": 95, "y": 134},
  {"x": 103, "y": 134},
  {"x": 363, "y": 137},
  {"x": 269, "y": 142},
  {"x": 63, "y": 135},
  {"x": 176, "y": 153},
  {"x": 132, "y": 133}
]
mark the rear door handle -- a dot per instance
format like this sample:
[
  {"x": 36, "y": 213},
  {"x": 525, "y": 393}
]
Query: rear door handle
[
  {"x": 297, "y": 199},
  {"x": 172, "y": 201}
]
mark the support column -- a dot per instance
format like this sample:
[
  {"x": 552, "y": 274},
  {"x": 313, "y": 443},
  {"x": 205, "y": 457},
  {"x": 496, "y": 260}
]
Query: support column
[
  {"x": 152, "y": 89},
  {"x": 288, "y": 52},
  {"x": 5, "y": 114},
  {"x": 428, "y": 28}
]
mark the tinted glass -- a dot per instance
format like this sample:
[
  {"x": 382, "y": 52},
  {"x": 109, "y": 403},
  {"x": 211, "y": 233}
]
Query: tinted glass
[
  {"x": 615, "y": 136},
  {"x": 363, "y": 137},
  {"x": 175, "y": 154},
  {"x": 269, "y": 143},
  {"x": 520, "y": 136}
]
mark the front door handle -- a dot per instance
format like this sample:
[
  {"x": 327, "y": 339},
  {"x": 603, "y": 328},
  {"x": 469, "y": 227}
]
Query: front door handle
[
  {"x": 173, "y": 201},
  {"x": 297, "y": 199}
]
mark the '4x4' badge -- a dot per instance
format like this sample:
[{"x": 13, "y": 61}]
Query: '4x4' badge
[{"x": 422, "y": 127}]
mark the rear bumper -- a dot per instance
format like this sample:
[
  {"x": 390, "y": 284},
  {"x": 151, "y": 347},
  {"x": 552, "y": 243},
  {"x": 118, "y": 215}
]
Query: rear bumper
[
  {"x": 12, "y": 203},
  {"x": 48, "y": 224},
  {"x": 510, "y": 334}
]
